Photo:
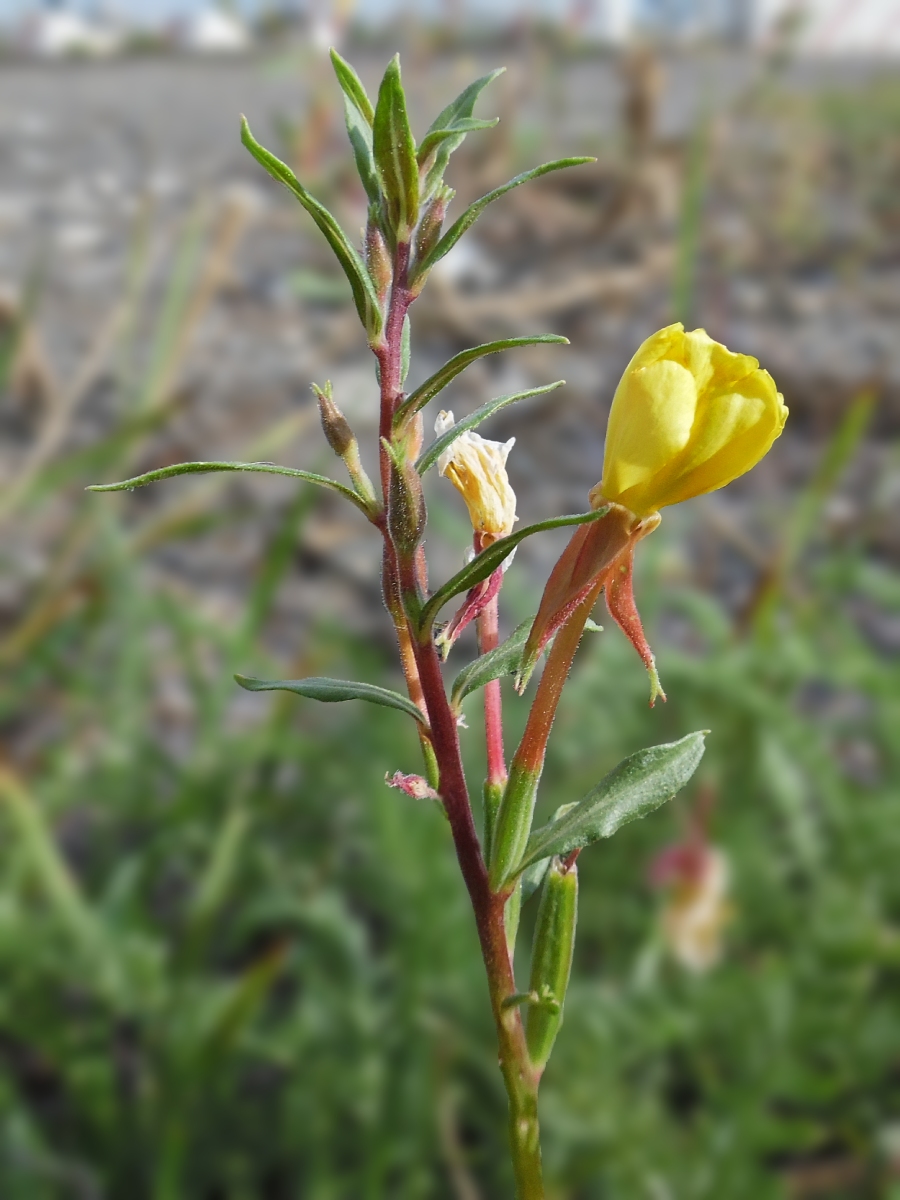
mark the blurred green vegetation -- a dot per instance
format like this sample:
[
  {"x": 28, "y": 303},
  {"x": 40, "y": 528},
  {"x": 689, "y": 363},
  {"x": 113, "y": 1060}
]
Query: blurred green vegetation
[{"x": 236, "y": 966}]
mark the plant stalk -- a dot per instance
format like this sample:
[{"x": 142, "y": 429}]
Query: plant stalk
[
  {"x": 488, "y": 629},
  {"x": 423, "y": 674}
]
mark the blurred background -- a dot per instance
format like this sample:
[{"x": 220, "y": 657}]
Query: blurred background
[{"x": 233, "y": 964}]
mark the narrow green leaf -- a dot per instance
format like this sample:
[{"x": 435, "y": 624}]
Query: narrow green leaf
[
  {"x": 456, "y": 111},
  {"x": 395, "y": 153},
  {"x": 464, "y": 104},
  {"x": 359, "y": 114},
  {"x": 352, "y": 87},
  {"x": 440, "y": 444},
  {"x": 504, "y": 660},
  {"x": 333, "y": 691},
  {"x": 638, "y": 785},
  {"x": 353, "y": 267},
  {"x": 474, "y": 211},
  {"x": 485, "y": 563},
  {"x": 207, "y": 468},
  {"x": 448, "y": 372},
  {"x": 458, "y": 129}
]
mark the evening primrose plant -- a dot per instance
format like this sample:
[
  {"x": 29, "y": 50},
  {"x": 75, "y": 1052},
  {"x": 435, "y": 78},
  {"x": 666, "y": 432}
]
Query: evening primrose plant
[{"x": 688, "y": 417}]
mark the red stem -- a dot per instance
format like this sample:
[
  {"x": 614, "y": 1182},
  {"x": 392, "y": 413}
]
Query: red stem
[
  {"x": 488, "y": 628},
  {"x": 405, "y": 577}
]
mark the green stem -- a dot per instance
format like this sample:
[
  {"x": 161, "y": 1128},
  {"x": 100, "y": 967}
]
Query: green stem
[{"x": 522, "y": 1082}]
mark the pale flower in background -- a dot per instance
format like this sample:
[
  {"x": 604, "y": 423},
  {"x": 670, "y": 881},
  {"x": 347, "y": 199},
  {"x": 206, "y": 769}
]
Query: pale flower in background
[{"x": 698, "y": 907}]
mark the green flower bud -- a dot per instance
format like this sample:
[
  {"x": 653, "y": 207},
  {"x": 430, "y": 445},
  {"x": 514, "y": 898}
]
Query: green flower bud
[
  {"x": 551, "y": 959},
  {"x": 429, "y": 232},
  {"x": 406, "y": 514},
  {"x": 378, "y": 259}
]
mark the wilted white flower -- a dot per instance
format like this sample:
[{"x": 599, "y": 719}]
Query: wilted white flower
[{"x": 477, "y": 469}]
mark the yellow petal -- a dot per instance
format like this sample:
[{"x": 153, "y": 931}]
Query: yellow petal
[
  {"x": 688, "y": 417},
  {"x": 650, "y": 423}
]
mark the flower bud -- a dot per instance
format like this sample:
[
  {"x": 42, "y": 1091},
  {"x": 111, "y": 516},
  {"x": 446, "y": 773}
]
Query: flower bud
[
  {"x": 378, "y": 259},
  {"x": 429, "y": 232},
  {"x": 337, "y": 431},
  {"x": 342, "y": 440},
  {"x": 477, "y": 469},
  {"x": 688, "y": 417},
  {"x": 406, "y": 515},
  {"x": 551, "y": 959}
]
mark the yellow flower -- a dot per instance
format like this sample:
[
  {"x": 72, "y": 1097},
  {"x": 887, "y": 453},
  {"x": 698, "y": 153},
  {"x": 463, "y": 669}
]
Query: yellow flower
[
  {"x": 477, "y": 469},
  {"x": 688, "y": 417}
]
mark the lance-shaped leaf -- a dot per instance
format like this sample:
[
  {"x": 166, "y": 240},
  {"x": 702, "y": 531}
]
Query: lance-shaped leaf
[
  {"x": 457, "y": 131},
  {"x": 359, "y": 115},
  {"x": 448, "y": 372},
  {"x": 457, "y": 111},
  {"x": 489, "y": 560},
  {"x": 352, "y": 87},
  {"x": 440, "y": 444},
  {"x": 395, "y": 153},
  {"x": 638, "y": 785},
  {"x": 503, "y": 660},
  {"x": 474, "y": 211},
  {"x": 353, "y": 267},
  {"x": 333, "y": 691},
  {"x": 207, "y": 468}
]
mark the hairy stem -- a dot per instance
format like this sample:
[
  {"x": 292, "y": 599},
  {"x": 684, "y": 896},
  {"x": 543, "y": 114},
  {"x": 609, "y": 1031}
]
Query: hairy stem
[{"x": 405, "y": 575}]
